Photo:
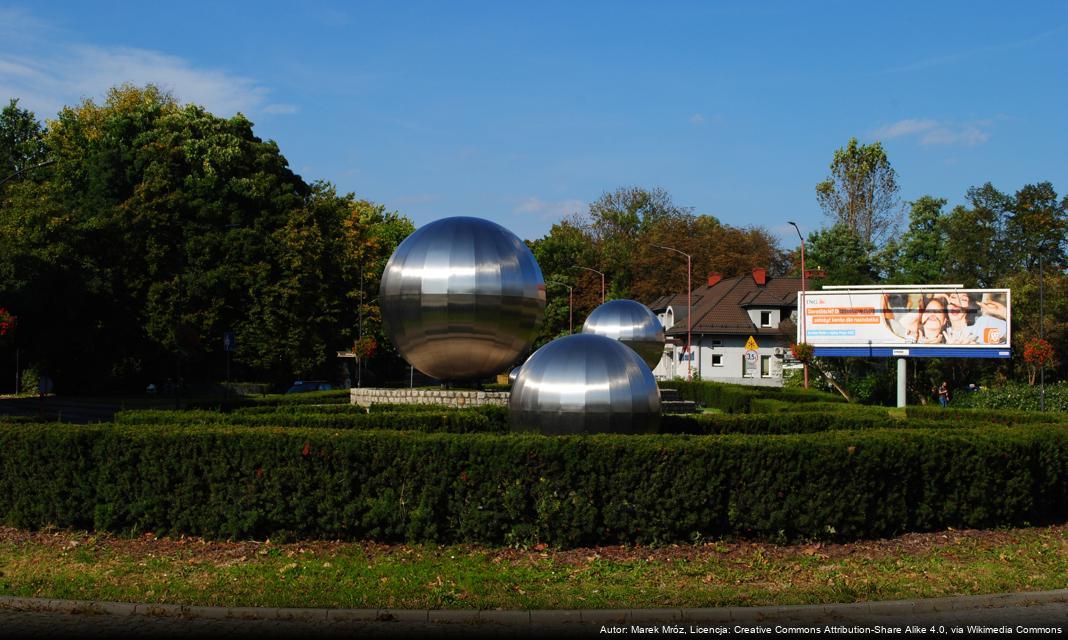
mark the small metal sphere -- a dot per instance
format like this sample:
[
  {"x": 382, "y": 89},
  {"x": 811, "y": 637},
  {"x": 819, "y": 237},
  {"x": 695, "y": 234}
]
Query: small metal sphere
[
  {"x": 633, "y": 324},
  {"x": 462, "y": 299},
  {"x": 585, "y": 383}
]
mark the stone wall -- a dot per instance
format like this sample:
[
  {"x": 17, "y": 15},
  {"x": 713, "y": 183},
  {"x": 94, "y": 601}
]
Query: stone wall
[{"x": 365, "y": 397}]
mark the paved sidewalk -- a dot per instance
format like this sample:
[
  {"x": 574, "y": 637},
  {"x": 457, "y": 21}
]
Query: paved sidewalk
[{"x": 41, "y": 618}]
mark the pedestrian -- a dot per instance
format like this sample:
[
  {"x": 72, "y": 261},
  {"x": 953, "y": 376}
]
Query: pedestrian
[{"x": 943, "y": 394}]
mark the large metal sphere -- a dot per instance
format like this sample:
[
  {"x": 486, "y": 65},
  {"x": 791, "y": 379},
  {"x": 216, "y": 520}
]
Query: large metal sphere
[
  {"x": 633, "y": 324},
  {"x": 462, "y": 299},
  {"x": 585, "y": 383}
]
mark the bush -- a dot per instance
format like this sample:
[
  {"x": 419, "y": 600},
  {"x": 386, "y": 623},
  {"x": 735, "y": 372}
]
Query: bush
[
  {"x": 736, "y": 398},
  {"x": 239, "y": 482},
  {"x": 455, "y": 421},
  {"x": 988, "y": 416},
  {"x": 1014, "y": 396}
]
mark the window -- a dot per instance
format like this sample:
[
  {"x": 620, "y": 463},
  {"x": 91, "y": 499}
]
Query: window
[
  {"x": 765, "y": 366},
  {"x": 748, "y": 366},
  {"x": 716, "y": 343},
  {"x": 717, "y": 360},
  {"x": 765, "y": 318}
]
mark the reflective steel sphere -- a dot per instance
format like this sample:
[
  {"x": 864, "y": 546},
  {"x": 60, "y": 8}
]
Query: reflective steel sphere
[
  {"x": 513, "y": 375},
  {"x": 633, "y": 324},
  {"x": 462, "y": 298},
  {"x": 585, "y": 383}
]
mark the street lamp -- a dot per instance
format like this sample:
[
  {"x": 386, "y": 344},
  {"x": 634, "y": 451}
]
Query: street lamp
[
  {"x": 19, "y": 172},
  {"x": 689, "y": 307},
  {"x": 595, "y": 271},
  {"x": 570, "y": 303},
  {"x": 800, "y": 309}
]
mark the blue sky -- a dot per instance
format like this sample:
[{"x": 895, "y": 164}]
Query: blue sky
[{"x": 524, "y": 112}]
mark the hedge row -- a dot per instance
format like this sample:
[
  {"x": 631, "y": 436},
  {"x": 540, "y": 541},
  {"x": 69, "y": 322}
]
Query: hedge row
[
  {"x": 337, "y": 396},
  {"x": 229, "y": 482},
  {"x": 443, "y": 420},
  {"x": 491, "y": 419},
  {"x": 995, "y": 416},
  {"x": 1016, "y": 396},
  {"x": 734, "y": 398},
  {"x": 800, "y": 422}
]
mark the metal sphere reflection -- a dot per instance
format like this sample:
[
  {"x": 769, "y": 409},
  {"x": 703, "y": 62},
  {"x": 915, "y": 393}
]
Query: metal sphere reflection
[
  {"x": 585, "y": 383},
  {"x": 633, "y": 324},
  {"x": 462, "y": 298}
]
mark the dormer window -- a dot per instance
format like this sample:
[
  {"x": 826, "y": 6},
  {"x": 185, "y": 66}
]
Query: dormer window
[{"x": 765, "y": 318}]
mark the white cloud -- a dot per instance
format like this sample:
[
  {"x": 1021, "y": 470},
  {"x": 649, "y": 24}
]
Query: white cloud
[
  {"x": 549, "y": 210},
  {"x": 46, "y": 75},
  {"x": 934, "y": 132},
  {"x": 697, "y": 119}
]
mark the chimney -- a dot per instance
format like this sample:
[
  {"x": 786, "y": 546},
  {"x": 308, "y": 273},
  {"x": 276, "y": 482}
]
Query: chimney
[
  {"x": 760, "y": 276},
  {"x": 713, "y": 278}
]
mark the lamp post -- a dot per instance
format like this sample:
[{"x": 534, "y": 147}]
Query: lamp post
[
  {"x": 1042, "y": 326},
  {"x": 595, "y": 271},
  {"x": 19, "y": 172},
  {"x": 800, "y": 305},
  {"x": 689, "y": 307},
  {"x": 570, "y": 303}
]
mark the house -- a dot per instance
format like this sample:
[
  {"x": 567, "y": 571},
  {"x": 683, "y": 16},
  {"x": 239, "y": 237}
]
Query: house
[{"x": 727, "y": 312}]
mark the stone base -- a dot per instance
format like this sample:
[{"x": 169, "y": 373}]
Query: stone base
[{"x": 365, "y": 397}]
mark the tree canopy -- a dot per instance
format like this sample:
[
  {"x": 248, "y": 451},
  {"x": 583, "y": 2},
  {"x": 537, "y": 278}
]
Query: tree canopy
[
  {"x": 862, "y": 191},
  {"x": 158, "y": 227}
]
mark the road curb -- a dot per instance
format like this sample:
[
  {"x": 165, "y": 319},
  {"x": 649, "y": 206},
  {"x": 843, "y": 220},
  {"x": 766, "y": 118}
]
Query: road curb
[{"x": 535, "y": 618}]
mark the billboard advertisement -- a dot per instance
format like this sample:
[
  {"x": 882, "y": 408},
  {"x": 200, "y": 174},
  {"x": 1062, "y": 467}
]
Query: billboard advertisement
[{"x": 935, "y": 322}]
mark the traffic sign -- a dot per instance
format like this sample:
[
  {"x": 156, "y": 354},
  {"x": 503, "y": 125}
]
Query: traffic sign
[
  {"x": 751, "y": 356},
  {"x": 751, "y": 345}
]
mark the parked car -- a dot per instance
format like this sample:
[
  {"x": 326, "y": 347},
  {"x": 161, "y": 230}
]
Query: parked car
[{"x": 303, "y": 386}]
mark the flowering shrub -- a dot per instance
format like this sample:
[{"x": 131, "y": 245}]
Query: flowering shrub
[
  {"x": 803, "y": 351},
  {"x": 7, "y": 321},
  {"x": 1037, "y": 354}
]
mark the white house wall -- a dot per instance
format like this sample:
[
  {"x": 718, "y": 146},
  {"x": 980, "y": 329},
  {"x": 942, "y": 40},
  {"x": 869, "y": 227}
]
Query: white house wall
[{"x": 732, "y": 352}]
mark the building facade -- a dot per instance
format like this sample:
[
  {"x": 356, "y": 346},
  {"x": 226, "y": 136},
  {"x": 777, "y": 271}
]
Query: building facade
[{"x": 729, "y": 315}]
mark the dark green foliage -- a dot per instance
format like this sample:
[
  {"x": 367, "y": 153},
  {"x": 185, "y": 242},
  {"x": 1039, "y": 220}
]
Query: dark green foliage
[
  {"x": 311, "y": 398},
  {"x": 444, "y": 420},
  {"x": 1015, "y": 396},
  {"x": 236, "y": 482},
  {"x": 985, "y": 416},
  {"x": 734, "y": 398}
]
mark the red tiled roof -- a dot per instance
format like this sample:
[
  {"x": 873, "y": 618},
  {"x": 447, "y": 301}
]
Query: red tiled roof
[{"x": 721, "y": 308}]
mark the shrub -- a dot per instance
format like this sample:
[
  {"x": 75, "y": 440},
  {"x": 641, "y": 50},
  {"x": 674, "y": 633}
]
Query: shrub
[
  {"x": 1015, "y": 396},
  {"x": 456, "y": 421},
  {"x": 736, "y": 398},
  {"x": 237, "y": 482}
]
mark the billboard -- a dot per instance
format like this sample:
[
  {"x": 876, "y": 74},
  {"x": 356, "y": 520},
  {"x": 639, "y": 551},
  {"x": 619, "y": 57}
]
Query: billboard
[{"x": 912, "y": 321}]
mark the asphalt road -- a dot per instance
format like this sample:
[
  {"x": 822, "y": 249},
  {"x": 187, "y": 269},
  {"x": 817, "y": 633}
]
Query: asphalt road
[{"x": 1032, "y": 614}]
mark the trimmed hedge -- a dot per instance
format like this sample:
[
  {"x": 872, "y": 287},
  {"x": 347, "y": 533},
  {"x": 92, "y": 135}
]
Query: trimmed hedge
[
  {"x": 337, "y": 396},
  {"x": 237, "y": 482},
  {"x": 800, "y": 422},
  {"x": 454, "y": 421},
  {"x": 995, "y": 416},
  {"x": 736, "y": 398}
]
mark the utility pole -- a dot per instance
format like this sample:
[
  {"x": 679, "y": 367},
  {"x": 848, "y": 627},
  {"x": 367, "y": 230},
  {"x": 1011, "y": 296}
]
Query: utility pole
[{"x": 801, "y": 310}]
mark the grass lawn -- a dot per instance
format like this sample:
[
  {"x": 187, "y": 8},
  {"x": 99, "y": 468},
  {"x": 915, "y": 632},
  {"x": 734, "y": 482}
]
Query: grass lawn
[{"x": 80, "y": 565}]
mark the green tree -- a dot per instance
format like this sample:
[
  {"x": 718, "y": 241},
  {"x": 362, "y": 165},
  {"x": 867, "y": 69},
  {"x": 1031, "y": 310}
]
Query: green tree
[
  {"x": 919, "y": 256},
  {"x": 976, "y": 251},
  {"x": 21, "y": 141},
  {"x": 843, "y": 254},
  {"x": 1037, "y": 225},
  {"x": 861, "y": 192},
  {"x": 159, "y": 227}
]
